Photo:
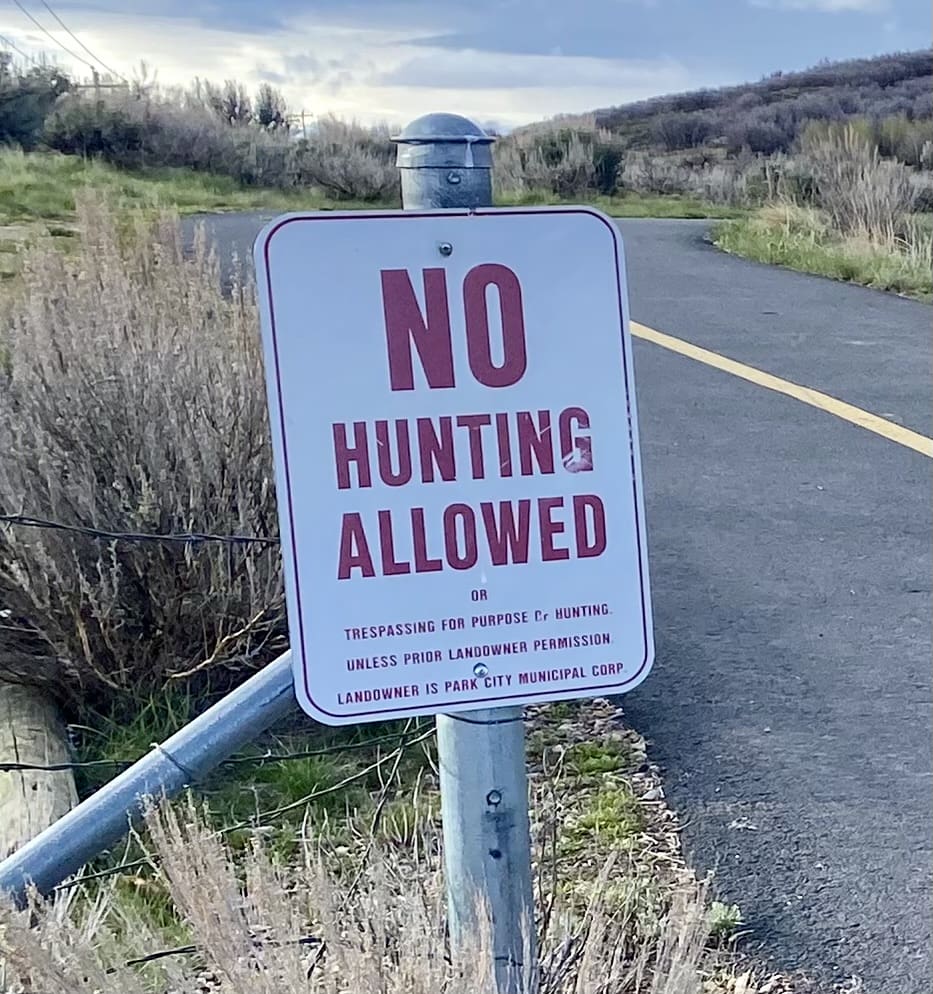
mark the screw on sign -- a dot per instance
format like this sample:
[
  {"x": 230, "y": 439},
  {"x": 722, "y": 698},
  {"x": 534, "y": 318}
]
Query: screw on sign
[{"x": 457, "y": 459}]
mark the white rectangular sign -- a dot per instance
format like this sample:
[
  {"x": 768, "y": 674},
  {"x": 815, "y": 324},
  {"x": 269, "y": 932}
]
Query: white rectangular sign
[{"x": 456, "y": 450}]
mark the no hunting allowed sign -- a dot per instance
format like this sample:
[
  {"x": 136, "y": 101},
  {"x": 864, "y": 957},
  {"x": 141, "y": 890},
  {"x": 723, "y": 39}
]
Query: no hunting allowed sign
[{"x": 456, "y": 449}]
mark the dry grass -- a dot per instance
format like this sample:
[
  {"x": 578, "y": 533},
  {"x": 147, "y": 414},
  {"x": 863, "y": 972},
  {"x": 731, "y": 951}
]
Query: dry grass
[
  {"x": 132, "y": 400},
  {"x": 803, "y": 238},
  {"x": 618, "y": 912},
  {"x": 841, "y": 210},
  {"x": 263, "y": 927},
  {"x": 863, "y": 195}
]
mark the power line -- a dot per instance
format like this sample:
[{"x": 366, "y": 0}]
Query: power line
[
  {"x": 81, "y": 43},
  {"x": 6, "y": 41},
  {"x": 46, "y": 31}
]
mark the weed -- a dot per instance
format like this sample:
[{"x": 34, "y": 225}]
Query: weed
[
  {"x": 724, "y": 920},
  {"x": 593, "y": 758},
  {"x": 612, "y": 819},
  {"x": 246, "y": 911}
]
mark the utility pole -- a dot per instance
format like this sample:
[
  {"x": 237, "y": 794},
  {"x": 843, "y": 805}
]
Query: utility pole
[{"x": 446, "y": 161}]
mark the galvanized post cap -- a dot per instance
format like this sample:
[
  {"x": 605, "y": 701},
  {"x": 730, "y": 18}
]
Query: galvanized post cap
[{"x": 438, "y": 141}]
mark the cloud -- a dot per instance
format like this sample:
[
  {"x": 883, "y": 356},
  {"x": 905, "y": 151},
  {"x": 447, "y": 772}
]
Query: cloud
[
  {"x": 328, "y": 61},
  {"x": 477, "y": 70}
]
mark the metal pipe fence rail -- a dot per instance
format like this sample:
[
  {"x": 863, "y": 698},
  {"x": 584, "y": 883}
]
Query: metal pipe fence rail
[{"x": 183, "y": 759}]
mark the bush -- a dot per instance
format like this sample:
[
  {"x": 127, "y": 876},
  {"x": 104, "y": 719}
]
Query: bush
[
  {"x": 26, "y": 96},
  {"x": 132, "y": 400},
  {"x": 561, "y": 158},
  {"x": 677, "y": 131},
  {"x": 862, "y": 193},
  {"x": 219, "y": 131},
  {"x": 921, "y": 186},
  {"x": 133, "y": 130},
  {"x": 82, "y": 127},
  {"x": 715, "y": 182},
  {"x": 348, "y": 161},
  {"x": 759, "y": 135}
]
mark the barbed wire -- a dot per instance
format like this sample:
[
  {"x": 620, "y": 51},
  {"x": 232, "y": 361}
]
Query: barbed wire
[
  {"x": 259, "y": 759},
  {"x": 104, "y": 534},
  {"x": 305, "y": 940},
  {"x": 262, "y": 816}
]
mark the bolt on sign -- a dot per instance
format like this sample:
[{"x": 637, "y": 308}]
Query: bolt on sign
[{"x": 456, "y": 450}]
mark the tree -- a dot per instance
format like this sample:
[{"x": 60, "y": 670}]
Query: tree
[
  {"x": 234, "y": 103},
  {"x": 271, "y": 110},
  {"x": 26, "y": 97}
]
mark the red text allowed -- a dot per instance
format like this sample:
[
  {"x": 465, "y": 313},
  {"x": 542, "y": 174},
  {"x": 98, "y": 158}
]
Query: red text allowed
[{"x": 497, "y": 533}]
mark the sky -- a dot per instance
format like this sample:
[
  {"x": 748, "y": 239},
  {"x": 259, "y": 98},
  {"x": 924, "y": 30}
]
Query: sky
[{"x": 500, "y": 62}]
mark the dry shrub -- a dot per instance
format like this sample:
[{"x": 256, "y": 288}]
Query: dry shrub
[
  {"x": 261, "y": 926},
  {"x": 863, "y": 194},
  {"x": 724, "y": 182},
  {"x": 921, "y": 186},
  {"x": 133, "y": 401},
  {"x": 348, "y": 161},
  {"x": 135, "y": 129},
  {"x": 564, "y": 157},
  {"x": 215, "y": 131}
]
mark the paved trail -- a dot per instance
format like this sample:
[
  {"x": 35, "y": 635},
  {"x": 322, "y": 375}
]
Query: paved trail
[
  {"x": 790, "y": 553},
  {"x": 791, "y": 566}
]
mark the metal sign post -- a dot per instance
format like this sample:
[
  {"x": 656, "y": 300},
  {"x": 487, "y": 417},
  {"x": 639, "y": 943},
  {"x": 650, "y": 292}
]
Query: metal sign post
[
  {"x": 453, "y": 424},
  {"x": 446, "y": 161}
]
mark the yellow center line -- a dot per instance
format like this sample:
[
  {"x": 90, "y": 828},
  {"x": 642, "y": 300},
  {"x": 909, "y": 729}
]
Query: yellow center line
[{"x": 854, "y": 415}]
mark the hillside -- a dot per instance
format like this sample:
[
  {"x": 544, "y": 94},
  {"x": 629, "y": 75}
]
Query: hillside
[{"x": 768, "y": 116}]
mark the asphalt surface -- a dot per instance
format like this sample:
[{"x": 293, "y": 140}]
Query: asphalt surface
[{"x": 790, "y": 705}]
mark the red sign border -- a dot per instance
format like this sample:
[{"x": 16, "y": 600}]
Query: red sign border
[{"x": 347, "y": 717}]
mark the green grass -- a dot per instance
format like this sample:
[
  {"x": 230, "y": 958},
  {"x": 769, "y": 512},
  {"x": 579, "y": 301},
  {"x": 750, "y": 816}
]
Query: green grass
[
  {"x": 800, "y": 239},
  {"x": 630, "y": 205},
  {"x": 612, "y": 819},
  {"x": 38, "y": 190},
  {"x": 587, "y": 759},
  {"x": 349, "y": 791},
  {"x": 42, "y": 187},
  {"x": 241, "y": 793}
]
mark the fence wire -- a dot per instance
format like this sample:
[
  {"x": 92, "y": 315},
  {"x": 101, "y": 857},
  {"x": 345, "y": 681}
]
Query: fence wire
[
  {"x": 263, "y": 816},
  {"x": 258, "y": 760},
  {"x": 106, "y": 535}
]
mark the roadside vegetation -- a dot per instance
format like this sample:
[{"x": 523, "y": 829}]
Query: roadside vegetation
[
  {"x": 326, "y": 902},
  {"x": 846, "y": 213},
  {"x": 767, "y": 154}
]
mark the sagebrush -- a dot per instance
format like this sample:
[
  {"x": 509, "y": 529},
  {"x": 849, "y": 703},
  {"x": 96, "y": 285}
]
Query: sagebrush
[
  {"x": 206, "y": 129},
  {"x": 132, "y": 400}
]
